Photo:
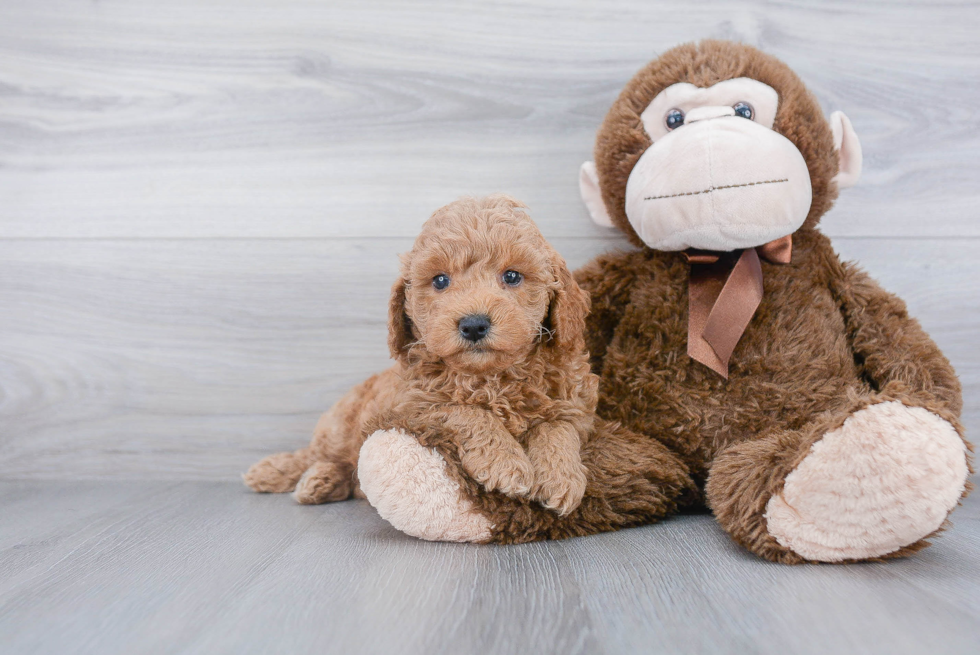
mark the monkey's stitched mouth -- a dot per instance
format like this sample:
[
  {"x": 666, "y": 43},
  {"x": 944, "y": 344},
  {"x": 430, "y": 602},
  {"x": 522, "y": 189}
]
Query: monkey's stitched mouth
[{"x": 717, "y": 188}]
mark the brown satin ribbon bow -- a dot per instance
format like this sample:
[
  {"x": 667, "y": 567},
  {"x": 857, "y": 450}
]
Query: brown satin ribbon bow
[{"x": 722, "y": 298}]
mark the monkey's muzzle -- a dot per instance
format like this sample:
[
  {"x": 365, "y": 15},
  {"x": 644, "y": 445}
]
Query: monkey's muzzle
[{"x": 721, "y": 184}]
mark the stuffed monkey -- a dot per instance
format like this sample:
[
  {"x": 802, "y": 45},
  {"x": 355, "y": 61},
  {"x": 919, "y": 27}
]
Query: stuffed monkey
[{"x": 783, "y": 389}]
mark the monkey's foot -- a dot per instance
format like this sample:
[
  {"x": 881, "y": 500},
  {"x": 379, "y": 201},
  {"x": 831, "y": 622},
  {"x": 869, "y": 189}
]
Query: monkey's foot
[
  {"x": 884, "y": 480},
  {"x": 407, "y": 483}
]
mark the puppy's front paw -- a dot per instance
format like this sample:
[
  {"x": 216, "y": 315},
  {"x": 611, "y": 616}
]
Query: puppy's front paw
[
  {"x": 509, "y": 473},
  {"x": 560, "y": 489}
]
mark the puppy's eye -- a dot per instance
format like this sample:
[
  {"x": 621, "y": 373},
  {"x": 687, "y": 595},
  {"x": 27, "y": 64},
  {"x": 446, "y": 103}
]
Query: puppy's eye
[
  {"x": 512, "y": 278},
  {"x": 440, "y": 281},
  {"x": 674, "y": 119},
  {"x": 744, "y": 110}
]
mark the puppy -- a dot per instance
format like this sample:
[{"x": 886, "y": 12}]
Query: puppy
[{"x": 486, "y": 325}]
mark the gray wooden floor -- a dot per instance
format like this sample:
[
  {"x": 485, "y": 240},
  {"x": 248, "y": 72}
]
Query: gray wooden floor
[
  {"x": 199, "y": 567},
  {"x": 201, "y": 205}
]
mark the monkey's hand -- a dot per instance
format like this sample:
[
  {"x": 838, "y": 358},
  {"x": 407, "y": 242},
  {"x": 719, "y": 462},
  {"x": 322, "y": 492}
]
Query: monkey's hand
[{"x": 559, "y": 475}]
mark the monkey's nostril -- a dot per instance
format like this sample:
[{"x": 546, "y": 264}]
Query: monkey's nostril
[{"x": 474, "y": 327}]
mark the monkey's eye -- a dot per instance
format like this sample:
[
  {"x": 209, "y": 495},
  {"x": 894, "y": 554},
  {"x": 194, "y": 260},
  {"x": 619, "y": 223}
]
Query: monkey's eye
[
  {"x": 440, "y": 281},
  {"x": 674, "y": 119},
  {"x": 512, "y": 278},
  {"x": 744, "y": 110}
]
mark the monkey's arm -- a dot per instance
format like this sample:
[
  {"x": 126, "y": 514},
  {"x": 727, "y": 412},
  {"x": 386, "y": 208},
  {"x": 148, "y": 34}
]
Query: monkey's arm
[
  {"x": 897, "y": 357},
  {"x": 608, "y": 279}
]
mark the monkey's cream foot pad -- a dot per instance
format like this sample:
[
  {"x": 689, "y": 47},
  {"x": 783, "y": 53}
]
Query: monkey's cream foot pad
[
  {"x": 884, "y": 480},
  {"x": 407, "y": 483}
]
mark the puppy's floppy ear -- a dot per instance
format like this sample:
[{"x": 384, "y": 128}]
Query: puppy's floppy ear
[
  {"x": 569, "y": 307},
  {"x": 399, "y": 324}
]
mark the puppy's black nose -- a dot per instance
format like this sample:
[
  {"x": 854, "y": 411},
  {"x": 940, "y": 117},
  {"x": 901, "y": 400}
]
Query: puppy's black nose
[{"x": 474, "y": 327}]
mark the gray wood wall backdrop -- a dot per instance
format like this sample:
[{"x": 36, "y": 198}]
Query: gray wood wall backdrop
[{"x": 201, "y": 202}]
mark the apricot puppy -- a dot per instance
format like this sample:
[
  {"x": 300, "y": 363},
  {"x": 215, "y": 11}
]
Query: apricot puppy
[{"x": 486, "y": 325}]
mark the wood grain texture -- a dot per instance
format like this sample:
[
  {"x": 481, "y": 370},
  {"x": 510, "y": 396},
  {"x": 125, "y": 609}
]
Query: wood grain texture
[
  {"x": 156, "y": 567},
  {"x": 298, "y": 119},
  {"x": 192, "y": 359},
  {"x": 200, "y": 204},
  {"x": 200, "y": 208}
]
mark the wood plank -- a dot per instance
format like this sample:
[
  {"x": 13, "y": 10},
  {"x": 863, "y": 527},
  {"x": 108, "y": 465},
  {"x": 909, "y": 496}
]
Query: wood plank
[
  {"x": 210, "y": 567},
  {"x": 357, "y": 118},
  {"x": 191, "y": 359}
]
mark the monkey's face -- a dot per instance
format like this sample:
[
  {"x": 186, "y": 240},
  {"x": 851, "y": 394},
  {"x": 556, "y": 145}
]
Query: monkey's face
[
  {"x": 717, "y": 176},
  {"x": 717, "y": 146}
]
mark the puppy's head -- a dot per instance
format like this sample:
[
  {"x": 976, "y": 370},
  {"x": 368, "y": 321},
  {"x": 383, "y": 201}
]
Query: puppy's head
[{"x": 482, "y": 290}]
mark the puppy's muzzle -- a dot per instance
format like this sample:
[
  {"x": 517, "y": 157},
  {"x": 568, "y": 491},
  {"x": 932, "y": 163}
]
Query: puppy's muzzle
[{"x": 474, "y": 327}]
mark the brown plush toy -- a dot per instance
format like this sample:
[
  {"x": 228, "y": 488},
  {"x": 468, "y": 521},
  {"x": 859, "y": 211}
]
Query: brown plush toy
[{"x": 768, "y": 380}]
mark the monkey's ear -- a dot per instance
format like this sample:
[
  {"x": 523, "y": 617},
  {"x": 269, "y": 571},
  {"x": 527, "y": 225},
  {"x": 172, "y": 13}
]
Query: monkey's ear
[
  {"x": 588, "y": 186},
  {"x": 399, "y": 324},
  {"x": 569, "y": 307},
  {"x": 848, "y": 147}
]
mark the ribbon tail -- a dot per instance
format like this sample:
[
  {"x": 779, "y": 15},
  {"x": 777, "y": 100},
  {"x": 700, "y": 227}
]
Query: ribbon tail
[
  {"x": 735, "y": 307},
  {"x": 720, "y": 306},
  {"x": 704, "y": 285}
]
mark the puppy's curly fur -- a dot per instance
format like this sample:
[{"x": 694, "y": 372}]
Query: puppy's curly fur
[{"x": 518, "y": 404}]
